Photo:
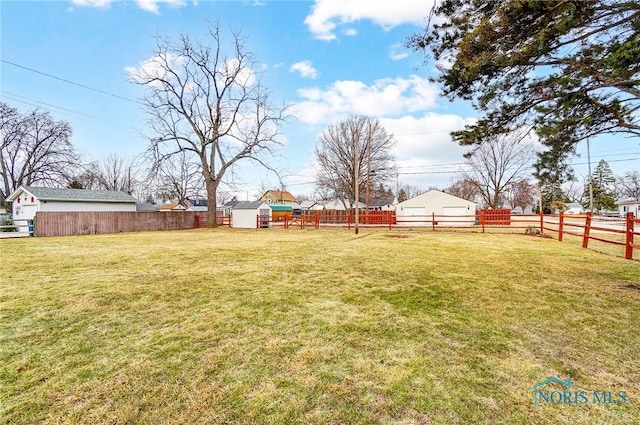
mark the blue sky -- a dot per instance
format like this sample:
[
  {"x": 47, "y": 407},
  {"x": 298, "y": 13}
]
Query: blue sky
[{"x": 326, "y": 58}]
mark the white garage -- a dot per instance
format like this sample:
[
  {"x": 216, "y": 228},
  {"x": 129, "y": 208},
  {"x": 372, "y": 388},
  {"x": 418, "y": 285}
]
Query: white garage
[{"x": 444, "y": 209}]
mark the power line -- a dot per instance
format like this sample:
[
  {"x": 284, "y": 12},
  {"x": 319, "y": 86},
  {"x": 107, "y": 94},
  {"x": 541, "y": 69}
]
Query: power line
[
  {"x": 68, "y": 81},
  {"x": 48, "y": 106}
]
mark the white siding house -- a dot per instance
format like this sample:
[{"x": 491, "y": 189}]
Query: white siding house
[
  {"x": 629, "y": 205},
  {"x": 26, "y": 201},
  {"x": 244, "y": 215},
  {"x": 418, "y": 211},
  {"x": 337, "y": 205}
]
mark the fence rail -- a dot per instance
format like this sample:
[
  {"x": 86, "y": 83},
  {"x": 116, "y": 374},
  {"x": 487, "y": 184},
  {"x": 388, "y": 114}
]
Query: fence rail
[{"x": 582, "y": 226}]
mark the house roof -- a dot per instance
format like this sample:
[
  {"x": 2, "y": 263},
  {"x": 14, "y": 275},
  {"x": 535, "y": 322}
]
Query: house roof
[
  {"x": 338, "y": 204},
  {"x": 433, "y": 195},
  {"x": 170, "y": 207},
  {"x": 196, "y": 202},
  {"x": 227, "y": 205},
  {"x": 145, "y": 206},
  {"x": 305, "y": 204},
  {"x": 279, "y": 195},
  {"x": 389, "y": 200},
  {"x": 628, "y": 201},
  {"x": 249, "y": 205},
  {"x": 73, "y": 195}
]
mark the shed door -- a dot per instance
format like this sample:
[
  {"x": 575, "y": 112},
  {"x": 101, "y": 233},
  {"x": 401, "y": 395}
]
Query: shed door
[{"x": 265, "y": 218}]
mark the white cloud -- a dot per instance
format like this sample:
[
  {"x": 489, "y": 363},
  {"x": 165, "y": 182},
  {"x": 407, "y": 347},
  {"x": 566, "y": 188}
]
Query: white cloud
[
  {"x": 305, "y": 68},
  {"x": 154, "y": 67},
  {"x": 92, "y": 3},
  {"x": 157, "y": 66},
  {"x": 152, "y": 5},
  {"x": 397, "y": 52},
  {"x": 327, "y": 15},
  {"x": 425, "y": 154},
  {"x": 148, "y": 5},
  {"x": 386, "y": 97}
]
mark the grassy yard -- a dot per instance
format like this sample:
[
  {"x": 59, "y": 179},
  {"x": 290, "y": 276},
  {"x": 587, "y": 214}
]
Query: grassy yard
[{"x": 231, "y": 326}]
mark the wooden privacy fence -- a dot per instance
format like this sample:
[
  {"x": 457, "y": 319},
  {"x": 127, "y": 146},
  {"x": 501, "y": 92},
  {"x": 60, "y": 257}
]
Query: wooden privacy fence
[
  {"x": 490, "y": 217},
  {"x": 91, "y": 223}
]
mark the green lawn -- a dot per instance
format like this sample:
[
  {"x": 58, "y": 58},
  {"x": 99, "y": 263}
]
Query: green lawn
[{"x": 232, "y": 326}]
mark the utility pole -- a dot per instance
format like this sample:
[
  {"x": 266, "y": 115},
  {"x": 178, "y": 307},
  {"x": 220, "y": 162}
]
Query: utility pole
[
  {"x": 356, "y": 176},
  {"x": 590, "y": 178},
  {"x": 368, "y": 170}
]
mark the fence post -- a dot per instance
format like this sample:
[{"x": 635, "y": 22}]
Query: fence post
[
  {"x": 541, "y": 221},
  {"x": 587, "y": 228},
  {"x": 482, "y": 219},
  {"x": 349, "y": 221},
  {"x": 257, "y": 221},
  {"x": 286, "y": 221},
  {"x": 628, "y": 248},
  {"x": 433, "y": 221},
  {"x": 560, "y": 226},
  {"x": 317, "y": 221}
]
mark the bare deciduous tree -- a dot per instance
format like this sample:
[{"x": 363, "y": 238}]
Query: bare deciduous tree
[
  {"x": 208, "y": 103},
  {"x": 407, "y": 191},
  {"x": 336, "y": 156},
  {"x": 465, "y": 188},
  {"x": 628, "y": 186},
  {"x": 180, "y": 178},
  {"x": 117, "y": 173},
  {"x": 521, "y": 194},
  {"x": 34, "y": 149},
  {"x": 498, "y": 163}
]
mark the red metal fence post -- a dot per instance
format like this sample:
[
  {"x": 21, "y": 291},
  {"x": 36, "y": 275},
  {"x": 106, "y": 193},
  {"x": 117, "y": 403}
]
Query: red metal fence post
[
  {"x": 349, "y": 221},
  {"x": 560, "y": 226},
  {"x": 587, "y": 228},
  {"x": 433, "y": 221},
  {"x": 628, "y": 247}
]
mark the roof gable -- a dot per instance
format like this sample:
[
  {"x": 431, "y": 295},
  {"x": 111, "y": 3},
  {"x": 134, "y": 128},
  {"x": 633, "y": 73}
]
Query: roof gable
[
  {"x": 72, "y": 195},
  {"x": 432, "y": 195},
  {"x": 278, "y": 195}
]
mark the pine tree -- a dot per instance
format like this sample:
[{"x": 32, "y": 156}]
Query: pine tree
[{"x": 603, "y": 186}]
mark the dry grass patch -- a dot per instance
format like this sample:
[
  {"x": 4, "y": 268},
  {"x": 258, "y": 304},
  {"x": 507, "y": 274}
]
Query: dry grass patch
[{"x": 228, "y": 326}]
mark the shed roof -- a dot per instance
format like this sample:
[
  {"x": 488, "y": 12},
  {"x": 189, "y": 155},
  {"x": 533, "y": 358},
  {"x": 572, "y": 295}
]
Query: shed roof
[
  {"x": 73, "y": 195},
  {"x": 249, "y": 205},
  {"x": 281, "y": 207}
]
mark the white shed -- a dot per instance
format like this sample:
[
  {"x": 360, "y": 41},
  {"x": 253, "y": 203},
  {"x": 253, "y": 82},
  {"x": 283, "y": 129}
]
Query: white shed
[
  {"x": 449, "y": 210},
  {"x": 251, "y": 215},
  {"x": 26, "y": 201}
]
